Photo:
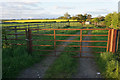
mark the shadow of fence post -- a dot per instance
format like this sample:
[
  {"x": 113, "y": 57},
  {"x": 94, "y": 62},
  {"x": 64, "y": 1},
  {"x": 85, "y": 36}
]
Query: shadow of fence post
[{"x": 118, "y": 40}]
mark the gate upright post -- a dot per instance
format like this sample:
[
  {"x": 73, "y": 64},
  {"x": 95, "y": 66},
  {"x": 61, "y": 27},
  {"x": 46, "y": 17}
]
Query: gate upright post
[
  {"x": 80, "y": 42},
  {"x": 15, "y": 32},
  {"x": 108, "y": 42},
  {"x": 29, "y": 41},
  {"x": 38, "y": 28},
  {"x": 54, "y": 43}
]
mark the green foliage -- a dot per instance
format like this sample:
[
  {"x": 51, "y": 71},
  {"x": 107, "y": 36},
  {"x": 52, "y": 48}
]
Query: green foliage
[
  {"x": 119, "y": 19},
  {"x": 112, "y": 69},
  {"x": 66, "y": 15},
  {"x": 16, "y": 58},
  {"x": 96, "y": 20},
  {"x": 108, "y": 19},
  {"x": 108, "y": 65},
  {"x": 106, "y": 61},
  {"x": 114, "y": 21}
]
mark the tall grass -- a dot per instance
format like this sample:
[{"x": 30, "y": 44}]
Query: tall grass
[
  {"x": 108, "y": 65},
  {"x": 106, "y": 61},
  {"x": 64, "y": 66},
  {"x": 16, "y": 58}
]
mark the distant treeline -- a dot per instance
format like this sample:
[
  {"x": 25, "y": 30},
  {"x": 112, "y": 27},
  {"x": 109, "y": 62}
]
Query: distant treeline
[{"x": 111, "y": 20}]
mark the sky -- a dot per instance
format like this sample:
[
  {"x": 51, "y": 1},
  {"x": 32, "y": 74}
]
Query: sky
[{"x": 24, "y": 9}]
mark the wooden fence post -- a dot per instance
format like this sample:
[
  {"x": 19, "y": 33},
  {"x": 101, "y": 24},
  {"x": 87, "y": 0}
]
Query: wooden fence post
[
  {"x": 113, "y": 40},
  {"x": 118, "y": 38},
  {"x": 29, "y": 41},
  {"x": 15, "y": 32},
  {"x": 6, "y": 42},
  {"x": 38, "y": 28}
]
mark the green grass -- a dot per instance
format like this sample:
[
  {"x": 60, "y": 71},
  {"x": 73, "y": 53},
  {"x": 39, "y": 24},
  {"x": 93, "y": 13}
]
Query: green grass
[
  {"x": 107, "y": 62},
  {"x": 16, "y": 58},
  {"x": 64, "y": 66}
]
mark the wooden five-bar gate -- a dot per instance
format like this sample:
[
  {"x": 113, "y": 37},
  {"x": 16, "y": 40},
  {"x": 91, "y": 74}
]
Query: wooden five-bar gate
[{"x": 111, "y": 41}]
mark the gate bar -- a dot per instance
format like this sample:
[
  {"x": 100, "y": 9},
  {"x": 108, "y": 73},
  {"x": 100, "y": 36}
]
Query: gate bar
[
  {"x": 54, "y": 43},
  {"x": 108, "y": 42},
  {"x": 80, "y": 42}
]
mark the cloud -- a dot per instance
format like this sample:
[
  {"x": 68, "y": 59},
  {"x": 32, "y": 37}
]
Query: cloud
[
  {"x": 63, "y": 7},
  {"x": 18, "y": 8},
  {"x": 20, "y": 5},
  {"x": 59, "y": 0},
  {"x": 99, "y": 11},
  {"x": 43, "y": 8},
  {"x": 26, "y": 16}
]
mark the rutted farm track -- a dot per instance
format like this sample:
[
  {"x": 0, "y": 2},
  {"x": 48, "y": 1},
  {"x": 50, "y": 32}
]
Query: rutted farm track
[
  {"x": 38, "y": 70},
  {"x": 87, "y": 66}
]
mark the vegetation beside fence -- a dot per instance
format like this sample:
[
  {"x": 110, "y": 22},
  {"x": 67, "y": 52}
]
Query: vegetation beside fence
[
  {"x": 108, "y": 63},
  {"x": 16, "y": 58}
]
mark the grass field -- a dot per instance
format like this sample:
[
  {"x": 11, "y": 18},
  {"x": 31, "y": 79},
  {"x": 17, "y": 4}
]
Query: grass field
[
  {"x": 16, "y": 58},
  {"x": 49, "y": 20}
]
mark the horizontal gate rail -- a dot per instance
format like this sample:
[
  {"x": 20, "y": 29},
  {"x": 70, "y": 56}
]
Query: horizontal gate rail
[
  {"x": 80, "y": 41},
  {"x": 70, "y": 29},
  {"x": 72, "y": 46},
  {"x": 64, "y": 35},
  {"x": 28, "y": 33},
  {"x": 68, "y": 40}
]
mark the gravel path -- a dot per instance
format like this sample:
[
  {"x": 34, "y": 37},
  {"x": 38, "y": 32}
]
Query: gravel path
[
  {"x": 87, "y": 66},
  {"x": 38, "y": 70}
]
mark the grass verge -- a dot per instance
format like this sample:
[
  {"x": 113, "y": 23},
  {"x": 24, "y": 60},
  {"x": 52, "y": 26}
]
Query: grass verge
[
  {"x": 107, "y": 62},
  {"x": 16, "y": 58},
  {"x": 64, "y": 66}
]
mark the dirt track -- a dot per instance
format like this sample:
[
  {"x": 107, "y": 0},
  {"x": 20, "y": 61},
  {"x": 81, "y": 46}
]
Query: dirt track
[
  {"x": 38, "y": 70},
  {"x": 87, "y": 66}
]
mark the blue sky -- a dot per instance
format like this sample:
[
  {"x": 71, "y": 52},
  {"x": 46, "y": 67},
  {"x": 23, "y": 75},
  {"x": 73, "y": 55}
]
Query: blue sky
[{"x": 18, "y": 9}]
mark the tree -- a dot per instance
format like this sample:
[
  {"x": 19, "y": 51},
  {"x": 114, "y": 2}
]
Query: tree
[
  {"x": 114, "y": 22},
  {"x": 101, "y": 18},
  {"x": 74, "y": 17},
  {"x": 119, "y": 19},
  {"x": 96, "y": 20},
  {"x": 89, "y": 17},
  {"x": 85, "y": 16},
  {"x": 108, "y": 19},
  {"x": 80, "y": 16},
  {"x": 66, "y": 15},
  {"x": 61, "y": 17}
]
